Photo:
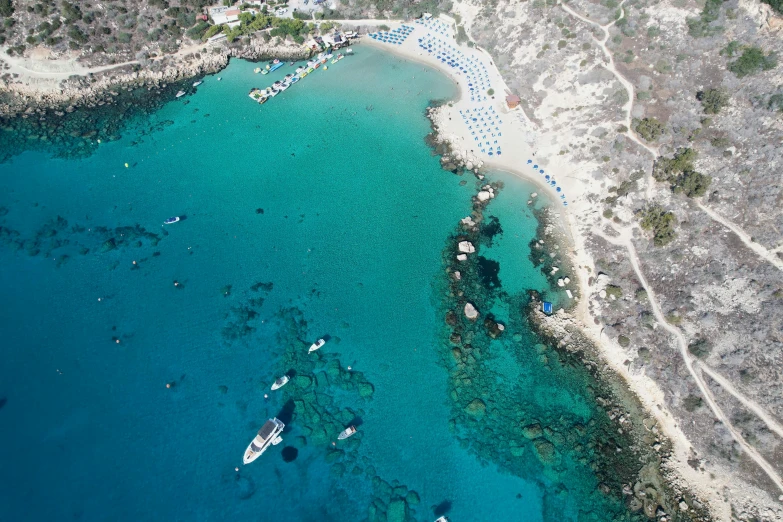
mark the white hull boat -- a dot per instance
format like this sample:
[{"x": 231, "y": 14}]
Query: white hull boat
[
  {"x": 180, "y": 94},
  {"x": 268, "y": 435},
  {"x": 171, "y": 220},
  {"x": 196, "y": 84},
  {"x": 442, "y": 519},
  {"x": 347, "y": 432},
  {"x": 279, "y": 383},
  {"x": 316, "y": 345}
]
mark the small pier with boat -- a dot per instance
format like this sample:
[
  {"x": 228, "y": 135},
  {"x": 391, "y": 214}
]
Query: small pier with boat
[{"x": 322, "y": 60}]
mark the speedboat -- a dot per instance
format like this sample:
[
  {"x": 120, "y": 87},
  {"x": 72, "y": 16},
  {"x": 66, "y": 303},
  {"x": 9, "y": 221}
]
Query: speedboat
[
  {"x": 279, "y": 383},
  {"x": 316, "y": 345},
  {"x": 442, "y": 519},
  {"x": 347, "y": 432},
  {"x": 171, "y": 220},
  {"x": 257, "y": 70},
  {"x": 180, "y": 94},
  {"x": 196, "y": 84},
  {"x": 268, "y": 435}
]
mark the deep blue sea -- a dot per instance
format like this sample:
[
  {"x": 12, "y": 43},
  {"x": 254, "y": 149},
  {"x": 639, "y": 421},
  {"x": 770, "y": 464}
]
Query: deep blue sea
[{"x": 322, "y": 212}]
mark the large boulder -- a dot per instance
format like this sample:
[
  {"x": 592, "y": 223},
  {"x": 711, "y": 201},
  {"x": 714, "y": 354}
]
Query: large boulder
[
  {"x": 483, "y": 196},
  {"x": 471, "y": 312},
  {"x": 545, "y": 451},
  {"x": 466, "y": 247}
]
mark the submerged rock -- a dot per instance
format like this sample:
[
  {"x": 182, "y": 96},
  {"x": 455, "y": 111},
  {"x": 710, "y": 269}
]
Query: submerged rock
[
  {"x": 545, "y": 451},
  {"x": 476, "y": 408},
  {"x": 532, "y": 431}
]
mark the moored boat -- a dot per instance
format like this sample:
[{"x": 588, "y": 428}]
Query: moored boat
[
  {"x": 171, "y": 220},
  {"x": 279, "y": 383},
  {"x": 180, "y": 94},
  {"x": 257, "y": 70},
  {"x": 196, "y": 84},
  {"x": 268, "y": 435},
  {"x": 276, "y": 66},
  {"x": 442, "y": 519},
  {"x": 347, "y": 432},
  {"x": 316, "y": 345}
]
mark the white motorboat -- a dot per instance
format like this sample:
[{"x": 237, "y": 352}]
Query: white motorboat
[
  {"x": 279, "y": 383},
  {"x": 268, "y": 435},
  {"x": 171, "y": 220},
  {"x": 180, "y": 94},
  {"x": 316, "y": 345},
  {"x": 196, "y": 84},
  {"x": 347, "y": 432},
  {"x": 442, "y": 519}
]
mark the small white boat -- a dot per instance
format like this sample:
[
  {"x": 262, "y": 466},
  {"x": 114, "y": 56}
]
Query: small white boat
[
  {"x": 171, "y": 220},
  {"x": 196, "y": 84},
  {"x": 279, "y": 383},
  {"x": 442, "y": 519},
  {"x": 347, "y": 432},
  {"x": 316, "y": 345},
  {"x": 220, "y": 78},
  {"x": 268, "y": 435},
  {"x": 180, "y": 94}
]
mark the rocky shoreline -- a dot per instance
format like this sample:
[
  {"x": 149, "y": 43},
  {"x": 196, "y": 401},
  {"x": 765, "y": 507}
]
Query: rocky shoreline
[
  {"x": 88, "y": 110},
  {"x": 100, "y": 89},
  {"x": 635, "y": 467}
]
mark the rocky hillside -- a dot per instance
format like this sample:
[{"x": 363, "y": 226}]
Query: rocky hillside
[{"x": 671, "y": 111}]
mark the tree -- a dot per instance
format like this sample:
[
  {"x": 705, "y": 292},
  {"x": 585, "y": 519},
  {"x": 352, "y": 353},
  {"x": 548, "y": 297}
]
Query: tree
[
  {"x": 752, "y": 61},
  {"x": 712, "y": 100},
  {"x": 649, "y": 128},
  {"x": 660, "y": 221}
]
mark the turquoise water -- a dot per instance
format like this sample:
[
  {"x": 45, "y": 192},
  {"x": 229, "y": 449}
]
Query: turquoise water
[{"x": 319, "y": 213}]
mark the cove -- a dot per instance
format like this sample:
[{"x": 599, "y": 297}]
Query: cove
[{"x": 321, "y": 212}]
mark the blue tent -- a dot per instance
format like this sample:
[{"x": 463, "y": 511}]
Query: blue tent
[{"x": 547, "y": 307}]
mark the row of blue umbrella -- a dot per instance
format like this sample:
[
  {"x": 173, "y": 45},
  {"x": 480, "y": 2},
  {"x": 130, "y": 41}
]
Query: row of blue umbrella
[{"x": 550, "y": 180}]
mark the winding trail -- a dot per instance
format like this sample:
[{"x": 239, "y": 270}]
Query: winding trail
[
  {"x": 624, "y": 240},
  {"x": 609, "y": 66},
  {"x": 771, "y": 423},
  {"x": 769, "y": 255}
]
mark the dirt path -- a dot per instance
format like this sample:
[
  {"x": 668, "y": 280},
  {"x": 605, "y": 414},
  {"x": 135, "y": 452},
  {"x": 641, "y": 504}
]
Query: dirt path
[
  {"x": 771, "y": 423},
  {"x": 759, "y": 249},
  {"x": 625, "y": 241},
  {"x": 609, "y": 66}
]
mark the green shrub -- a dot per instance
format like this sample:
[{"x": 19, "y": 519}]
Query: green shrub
[
  {"x": 6, "y": 8},
  {"x": 490, "y": 92},
  {"x": 383, "y": 27},
  {"x": 691, "y": 403},
  {"x": 212, "y": 31},
  {"x": 777, "y": 5},
  {"x": 561, "y": 44},
  {"x": 640, "y": 294},
  {"x": 614, "y": 291},
  {"x": 775, "y": 102},
  {"x": 712, "y": 100},
  {"x": 608, "y": 213},
  {"x": 700, "y": 347},
  {"x": 198, "y": 31},
  {"x": 680, "y": 173},
  {"x": 650, "y": 129},
  {"x": 660, "y": 221},
  {"x": 701, "y": 26},
  {"x": 752, "y": 61},
  {"x": 624, "y": 341}
]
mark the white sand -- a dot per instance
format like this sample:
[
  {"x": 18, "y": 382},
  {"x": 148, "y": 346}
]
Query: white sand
[{"x": 520, "y": 142}]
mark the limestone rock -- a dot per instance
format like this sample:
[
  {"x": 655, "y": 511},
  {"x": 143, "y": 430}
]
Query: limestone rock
[
  {"x": 462, "y": 257},
  {"x": 483, "y": 196},
  {"x": 466, "y": 247},
  {"x": 471, "y": 312}
]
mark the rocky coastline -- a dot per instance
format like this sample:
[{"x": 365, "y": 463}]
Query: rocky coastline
[
  {"x": 634, "y": 452},
  {"x": 84, "y": 111}
]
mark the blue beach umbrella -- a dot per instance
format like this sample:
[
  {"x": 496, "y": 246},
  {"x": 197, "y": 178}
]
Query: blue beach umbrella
[
  {"x": 541, "y": 171},
  {"x": 559, "y": 189},
  {"x": 546, "y": 177},
  {"x": 535, "y": 166}
]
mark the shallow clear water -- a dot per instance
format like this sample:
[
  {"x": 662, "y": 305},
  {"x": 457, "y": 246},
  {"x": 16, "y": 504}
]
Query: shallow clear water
[{"x": 327, "y": 192}]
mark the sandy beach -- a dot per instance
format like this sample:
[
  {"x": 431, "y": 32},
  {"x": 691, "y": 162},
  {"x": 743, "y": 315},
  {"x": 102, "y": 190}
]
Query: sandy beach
[{"x": 521, "y": 145}]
